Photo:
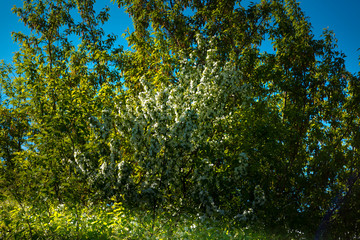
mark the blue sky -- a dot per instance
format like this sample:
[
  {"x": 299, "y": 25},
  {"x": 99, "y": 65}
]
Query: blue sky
[{"x": 343, "y": 17}]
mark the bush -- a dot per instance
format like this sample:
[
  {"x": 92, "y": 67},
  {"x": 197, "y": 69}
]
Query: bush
[{"x": 106, "y": 221}]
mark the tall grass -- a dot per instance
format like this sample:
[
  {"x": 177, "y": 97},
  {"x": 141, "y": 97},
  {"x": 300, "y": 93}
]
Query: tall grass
[{"x": 113, "y": 222}]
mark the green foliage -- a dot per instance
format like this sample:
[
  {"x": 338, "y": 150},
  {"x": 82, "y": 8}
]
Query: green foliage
[
  {"x": 195, "y": 119},
  {"x": 57, "y": 87},
  {"x": 114, "y": 222}
]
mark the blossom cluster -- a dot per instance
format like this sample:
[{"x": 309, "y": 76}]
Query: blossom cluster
[
  {"x": 174, "y": 127},
  {"x": 177, "y": 133}
]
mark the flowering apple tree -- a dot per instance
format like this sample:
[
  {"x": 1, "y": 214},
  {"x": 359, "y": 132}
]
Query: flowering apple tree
[{"x": 179, "y": 138}]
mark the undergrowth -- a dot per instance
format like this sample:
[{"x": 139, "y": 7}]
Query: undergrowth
[{"x": 103, "y": 221}]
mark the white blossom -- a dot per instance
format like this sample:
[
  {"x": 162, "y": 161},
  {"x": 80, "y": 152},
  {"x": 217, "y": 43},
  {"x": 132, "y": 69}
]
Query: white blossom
[{"x": 164, "y": 126}]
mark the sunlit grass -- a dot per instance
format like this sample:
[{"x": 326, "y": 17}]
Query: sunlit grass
[{"x": 112, "y": 222}]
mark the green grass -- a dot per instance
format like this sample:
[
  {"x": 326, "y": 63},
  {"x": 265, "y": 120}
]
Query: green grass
[{"x": 112, "y": 222}]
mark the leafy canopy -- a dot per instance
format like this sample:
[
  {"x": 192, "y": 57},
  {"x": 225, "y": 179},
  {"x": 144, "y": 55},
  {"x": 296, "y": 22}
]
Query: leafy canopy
[{"x": 196, "y": 117}]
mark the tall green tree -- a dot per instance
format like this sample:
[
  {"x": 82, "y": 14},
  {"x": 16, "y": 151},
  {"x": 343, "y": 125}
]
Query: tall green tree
[
  {"x": 61, "y": 77},
  {"x": 299, "y": 130},
  {"x": 196, "y": 117}
]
